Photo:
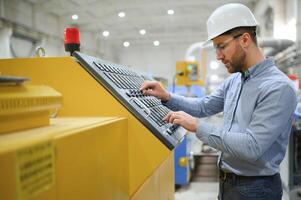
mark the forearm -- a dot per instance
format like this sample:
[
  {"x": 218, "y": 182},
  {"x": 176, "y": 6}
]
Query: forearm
[{"x": 198, "y": 107}]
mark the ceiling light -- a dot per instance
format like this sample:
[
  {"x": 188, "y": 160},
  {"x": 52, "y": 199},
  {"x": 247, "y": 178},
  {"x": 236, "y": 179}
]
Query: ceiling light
[
  {"x": 126, "y": 44},
  {"x": 142, "y": 32},
  {"x": 214, "y": 78},
  {"x": 156, "y": 43},
  {"x": 170, "y": 12},
  {"x": 106, "y": 33},
  {"x": 214, "y": 65},
  {"x": 121, "y": 14},
  {"x": 74, "y": 17}
]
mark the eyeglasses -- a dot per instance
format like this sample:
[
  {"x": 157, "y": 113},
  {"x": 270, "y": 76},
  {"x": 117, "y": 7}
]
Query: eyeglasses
[{"x": 221, "y": 47}]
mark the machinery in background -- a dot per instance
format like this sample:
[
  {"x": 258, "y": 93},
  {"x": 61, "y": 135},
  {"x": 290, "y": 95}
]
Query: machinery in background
[
  {"x": 186, "y": 82},
  {"x": 183, "y": 164},
  {"x": 188, "y": 73},
  {"x": 294, "y": 147},
  {"x": 292, "y": 172},
  {"x": 289, "y": 61}
]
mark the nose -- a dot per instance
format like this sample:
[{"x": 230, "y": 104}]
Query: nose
[{"x": 219, "y": 55}]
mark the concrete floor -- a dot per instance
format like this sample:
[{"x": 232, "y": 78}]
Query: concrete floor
[{"x": 198, "y": 191}]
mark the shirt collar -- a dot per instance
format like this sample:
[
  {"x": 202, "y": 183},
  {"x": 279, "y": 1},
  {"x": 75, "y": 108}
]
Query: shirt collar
[{"x": 258, "y": 68}]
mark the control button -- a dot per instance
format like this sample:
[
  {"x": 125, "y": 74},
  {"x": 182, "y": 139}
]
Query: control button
[
  {"x": 172, "y": 129},
  {"x": 168, "y": 131},
  {"x": 128, "y": 93},
  {"x": 138, "y": 103},
  {"x": 98, "y": 65}
]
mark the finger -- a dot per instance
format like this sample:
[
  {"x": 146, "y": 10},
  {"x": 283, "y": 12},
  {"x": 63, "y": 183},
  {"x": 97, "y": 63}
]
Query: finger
[
  {"x": 149, "y": 92},
  {"x": 147, "y": 85},
  {"x": 143, "y": 87},
  {"x": 173, "y": 116},
  {"x": 166, "y": 118},
  {"x": 177, "y": 122},
  {"x": 170, "y": 117}
]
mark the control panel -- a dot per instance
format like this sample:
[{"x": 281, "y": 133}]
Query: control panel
[{"x": 124, "y": 83}]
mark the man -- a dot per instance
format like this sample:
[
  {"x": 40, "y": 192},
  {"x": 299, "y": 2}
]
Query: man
[{"x": 257, "y": 101}]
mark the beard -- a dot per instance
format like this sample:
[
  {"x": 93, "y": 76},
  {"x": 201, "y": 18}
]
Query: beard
[{"x": 237, "y": 62}]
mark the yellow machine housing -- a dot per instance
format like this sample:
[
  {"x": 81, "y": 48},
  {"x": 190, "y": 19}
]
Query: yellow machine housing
[
  {"x": 26, "y": 106},
  {"x": 84, "y": 96},
  {"x": 188, "y": 73},
  {"x": 66, "y": 160}
]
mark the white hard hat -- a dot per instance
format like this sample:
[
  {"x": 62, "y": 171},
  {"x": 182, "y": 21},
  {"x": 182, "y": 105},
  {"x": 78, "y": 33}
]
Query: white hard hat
[{"x": 227, "y": 17}]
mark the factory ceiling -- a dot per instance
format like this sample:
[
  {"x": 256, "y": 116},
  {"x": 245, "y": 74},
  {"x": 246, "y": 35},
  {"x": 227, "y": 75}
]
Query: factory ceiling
[{"x": 127, "y": 20}]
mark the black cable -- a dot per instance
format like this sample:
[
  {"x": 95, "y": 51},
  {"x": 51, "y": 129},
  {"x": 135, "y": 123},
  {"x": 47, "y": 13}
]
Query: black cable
[{"x": 181, "y": 73}]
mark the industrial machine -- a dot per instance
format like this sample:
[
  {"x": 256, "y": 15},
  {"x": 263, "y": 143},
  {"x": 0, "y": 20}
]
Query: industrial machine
[
  {"x": 188, "y": 73},
  {"x": 124, "y": 84},
  {"x": 93, "y": 87},
  {"x": 291, "y": 166},
  {"x": 294, "y": 148},
  {"x": 25, "y": 106},
  {"x": 65, "y": 160},
  {"x": 182, "y": 164}
]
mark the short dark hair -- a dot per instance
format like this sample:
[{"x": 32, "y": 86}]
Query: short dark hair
[{"x": 243, "y": 29}]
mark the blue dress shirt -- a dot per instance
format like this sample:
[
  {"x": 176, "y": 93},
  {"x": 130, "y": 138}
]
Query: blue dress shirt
[{"x": 258, "y": 108}]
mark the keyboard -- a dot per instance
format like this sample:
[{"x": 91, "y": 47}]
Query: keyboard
[{"x": 124, "y": 83}]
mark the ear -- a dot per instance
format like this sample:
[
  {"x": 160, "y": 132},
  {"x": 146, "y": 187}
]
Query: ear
[{"x": 245, "y": 40}]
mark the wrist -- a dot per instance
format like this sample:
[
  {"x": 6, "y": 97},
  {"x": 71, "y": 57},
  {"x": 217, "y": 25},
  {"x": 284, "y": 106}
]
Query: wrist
[{"x": 166, "y": 97}]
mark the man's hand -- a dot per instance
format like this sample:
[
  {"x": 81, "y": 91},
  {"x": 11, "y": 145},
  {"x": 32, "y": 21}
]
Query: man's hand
[
  {"x": 154, "y": 88},
  {"x": 183, "y": 119}
]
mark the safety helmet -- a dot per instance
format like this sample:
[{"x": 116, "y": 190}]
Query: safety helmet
[{"x": 227, "y": 17}]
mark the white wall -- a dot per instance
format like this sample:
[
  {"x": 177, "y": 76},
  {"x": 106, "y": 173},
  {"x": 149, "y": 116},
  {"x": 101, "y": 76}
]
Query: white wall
[
  {"x": 21, "y": 17},
  {"x": 157, "y": 61}
]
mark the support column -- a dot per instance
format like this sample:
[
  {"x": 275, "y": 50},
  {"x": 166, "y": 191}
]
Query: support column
[
  {"x": 298, "y": 24},
  {"x": 5, "y": 34}
]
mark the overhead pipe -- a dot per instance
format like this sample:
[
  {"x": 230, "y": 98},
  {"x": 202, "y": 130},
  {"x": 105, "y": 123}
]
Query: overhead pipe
[
  {"x": 191, "y": 49},
  {"x": 277, "y": 45}
]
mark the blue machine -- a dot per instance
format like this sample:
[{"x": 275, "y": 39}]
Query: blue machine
[{"x": 182, "y": 170}]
